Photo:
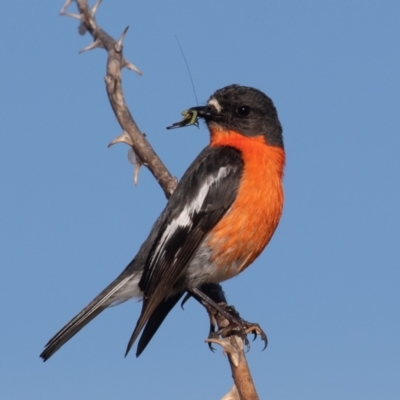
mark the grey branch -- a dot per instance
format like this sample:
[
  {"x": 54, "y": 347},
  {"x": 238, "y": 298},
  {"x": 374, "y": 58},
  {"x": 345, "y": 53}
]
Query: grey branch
[
  {"x": 113, "y": 79},
  {"x": 144, "y": 154}
]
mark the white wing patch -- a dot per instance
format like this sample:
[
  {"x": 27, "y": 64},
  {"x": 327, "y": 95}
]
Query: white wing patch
[
  {"x": 185, "y": 217},
  {"x": 214, "y": 102}
]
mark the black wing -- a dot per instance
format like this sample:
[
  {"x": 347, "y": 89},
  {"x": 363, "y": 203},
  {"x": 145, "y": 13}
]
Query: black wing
[{"x": 204, "y": 194}]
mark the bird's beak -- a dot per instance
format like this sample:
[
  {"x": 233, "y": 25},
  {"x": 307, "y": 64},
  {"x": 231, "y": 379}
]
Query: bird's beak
[
  {"x": 191, "y": 116},
  {"x": 202, "y": 111}
]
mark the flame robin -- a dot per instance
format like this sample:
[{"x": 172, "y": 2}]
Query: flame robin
[{"x": 221, "y": 216}]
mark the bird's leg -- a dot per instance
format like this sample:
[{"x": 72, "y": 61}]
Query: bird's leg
[
  {"x": 227, "y": 312},
  {"x": 236, "y": 323},
  {"x": 214, "y": 292}
]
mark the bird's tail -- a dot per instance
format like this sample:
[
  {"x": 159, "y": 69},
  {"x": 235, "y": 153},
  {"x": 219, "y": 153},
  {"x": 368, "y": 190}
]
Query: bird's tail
[
  {"x": 118, "y": 291},
  {"x": 154, "y": 322}
]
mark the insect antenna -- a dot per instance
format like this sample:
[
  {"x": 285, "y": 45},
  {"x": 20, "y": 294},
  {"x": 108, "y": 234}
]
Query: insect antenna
[{"x": 187, "y": 66}]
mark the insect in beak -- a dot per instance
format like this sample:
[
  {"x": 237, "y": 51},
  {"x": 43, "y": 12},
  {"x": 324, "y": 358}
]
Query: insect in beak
[{"x": 190, "y": 117}]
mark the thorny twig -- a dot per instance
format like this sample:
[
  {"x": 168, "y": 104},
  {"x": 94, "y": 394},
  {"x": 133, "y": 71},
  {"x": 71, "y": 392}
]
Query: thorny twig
[{"x": 145, "y": 155}]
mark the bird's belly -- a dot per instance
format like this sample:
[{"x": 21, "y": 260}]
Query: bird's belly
[
  {"x": 242, "y": 234},
  {"x": 237, "y": 242}
]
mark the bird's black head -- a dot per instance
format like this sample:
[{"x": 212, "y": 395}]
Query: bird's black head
[{"x": 245, "y": 110}]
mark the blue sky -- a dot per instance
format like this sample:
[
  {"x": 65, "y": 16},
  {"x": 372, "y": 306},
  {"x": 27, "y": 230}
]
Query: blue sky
[{"x": 326, "y": 290}]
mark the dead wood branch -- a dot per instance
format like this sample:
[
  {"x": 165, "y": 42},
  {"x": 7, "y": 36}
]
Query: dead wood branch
[{"x": 115, "y": 63}]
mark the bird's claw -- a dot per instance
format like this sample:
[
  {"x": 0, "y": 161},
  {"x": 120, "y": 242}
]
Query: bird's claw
[
  {"x": 256, "y": 330},
  {"x": 185, "y": 299},
  {"x": 239, "y": 325},
  {"x": 212, "y": 335}
]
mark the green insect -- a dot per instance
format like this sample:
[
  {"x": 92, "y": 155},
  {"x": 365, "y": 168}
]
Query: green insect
[{"x": 190, "y": 117}]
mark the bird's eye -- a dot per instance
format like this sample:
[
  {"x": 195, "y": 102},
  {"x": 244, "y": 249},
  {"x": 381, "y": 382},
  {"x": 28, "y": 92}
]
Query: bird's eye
[{"x": 243, "y": 111}]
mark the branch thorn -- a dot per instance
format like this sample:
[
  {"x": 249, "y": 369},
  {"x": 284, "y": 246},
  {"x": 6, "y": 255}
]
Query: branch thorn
[
  {"x": 118, "y": 45},
  {"x": 65, "y": 6},
  {"x": 137, "y": 162},
  {"x": 93, "y": 10},
  {"x": 122, "y": 138},
  {"x": 227, "y": 349},
  {"x": 79, "y": 17},
  {"x": 132, "y": 67},
  {"x": 132, "y": 156},
  {"x": 95, "y": 44},
  {"x": 232, "y": 395}
]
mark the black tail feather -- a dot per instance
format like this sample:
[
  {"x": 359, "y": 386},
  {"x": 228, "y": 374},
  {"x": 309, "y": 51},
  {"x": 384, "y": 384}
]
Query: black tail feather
[{"x": 155, "y": 321}]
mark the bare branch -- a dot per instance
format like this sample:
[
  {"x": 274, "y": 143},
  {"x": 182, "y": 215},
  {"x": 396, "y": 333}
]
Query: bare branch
[
  {"x": 233, "y": 347},
  {"x": 113, "y": 80},
  {"x": 244, "y": 388}
]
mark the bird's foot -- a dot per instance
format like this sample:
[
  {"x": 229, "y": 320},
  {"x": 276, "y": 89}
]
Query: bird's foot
[{"x": 238, "y": 325}]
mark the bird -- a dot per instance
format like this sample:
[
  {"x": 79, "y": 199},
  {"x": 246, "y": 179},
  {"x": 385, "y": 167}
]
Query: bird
[{"x": 221, "y": 216}]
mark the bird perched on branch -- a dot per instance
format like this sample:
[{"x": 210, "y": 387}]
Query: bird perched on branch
[{"x": 221, "y": 216}]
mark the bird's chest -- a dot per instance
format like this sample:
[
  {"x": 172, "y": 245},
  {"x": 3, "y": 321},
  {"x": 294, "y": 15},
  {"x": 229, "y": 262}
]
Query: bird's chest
[{"x": 249, "y": 224}]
